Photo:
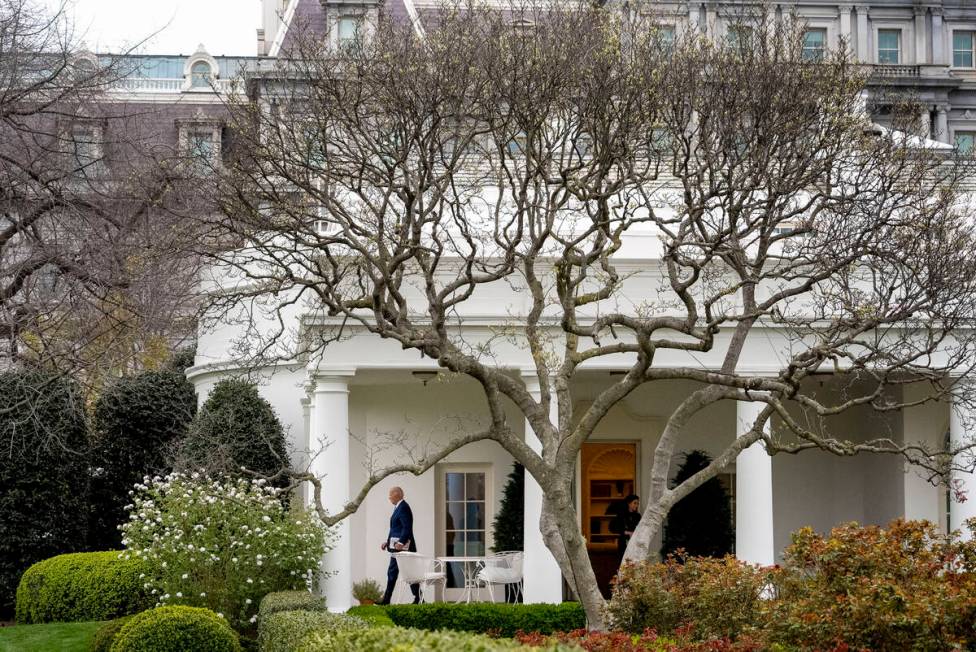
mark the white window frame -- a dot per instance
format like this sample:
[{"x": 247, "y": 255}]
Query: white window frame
[
  {"x": 905, "y": 53},
  {"x": 188, "y": 73},
  {"x": 826, "y": 41},
  {"x": 966, "y": 129},
  {"x": 440, "y": 497},
  {"x": 971, "y": 29},
  {"x": 189, "y": 127},
  {"x": 344, "y": 43}
]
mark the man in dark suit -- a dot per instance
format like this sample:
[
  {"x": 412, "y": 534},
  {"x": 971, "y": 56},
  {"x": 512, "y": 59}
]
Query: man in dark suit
[{"x": 399, "y": 539}]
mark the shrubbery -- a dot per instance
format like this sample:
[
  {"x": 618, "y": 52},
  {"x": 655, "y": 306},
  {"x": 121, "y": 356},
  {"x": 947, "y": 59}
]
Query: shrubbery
[
  {"x": 374, "y": 614},
  {"x": 105, "y": 636},
  {"x": 43, "y": 474},
  {"x": 82, "y": 586},
  {"x": 235, "y": 428},
  {"x": 680, "y": 641},
  {"x": 282, "y": 631},
  {"x": 384, "y": 639},
  {"x": 496, "y": 619},
  {"x": 719, "y": 597},
  {"x": 138, "y": 421},
  {"x": 222, "y": 544},
  {"x": 904, "y": 587},
  {"x": 176, "y": 629},
  {"x": 290, "y": 601}
]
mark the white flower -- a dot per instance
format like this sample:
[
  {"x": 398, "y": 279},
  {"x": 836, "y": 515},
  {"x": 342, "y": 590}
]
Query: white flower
[
  {"x": 203, "y": 594},
  {"x": 220, "y": 614},
  {"x": 250, "y": 581},
  {"x": 179, "y": 594},
  {"x": 186, "y": 575}
]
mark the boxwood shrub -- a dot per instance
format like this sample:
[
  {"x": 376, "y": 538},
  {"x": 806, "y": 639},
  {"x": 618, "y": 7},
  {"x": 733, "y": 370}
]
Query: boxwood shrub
[
  {"x": 282, "y": 631},
  {"x": 82, "y": 586},
  {"x": 105, "y": 635},
  {"x": 384, "y": 639},
  {"x": 290, "y": 601},
  {"x": 495, "y": 619},
  {"x": 176, "y": 629}
]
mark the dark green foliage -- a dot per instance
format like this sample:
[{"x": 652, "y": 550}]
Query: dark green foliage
[
  {"x": 82, "y": 586},
  {"x": 290, "y": 601},
  {"x": 509, "y": 524},
  {"x": 235, "y": 428},
  {"x": 701, "y": 523},
  {"x": 138, "y": 421},
  {"x": 282, "y": 631},
  {"x": 497, "y": 619},
  {"x": 374, "y": 614},
  {"x": 181, "y": 360},
  {"x": 44, "y": 474},
  {"x": 106, "y": 634},
  {"x": 176, "y": 629}
]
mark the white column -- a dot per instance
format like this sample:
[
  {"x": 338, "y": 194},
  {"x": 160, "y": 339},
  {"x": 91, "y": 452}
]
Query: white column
[
  {"x": 862, "y": 34},
  {"x": 845, "y": 27},
  {"x": 962, "y": 431},
  {"x": 925, "y": 121},
  {"x": 543, "y": 581},
  {"x": 711, "y": 21},
  {"x": 938, "y": 37},
  {"x": 329, "y": 448},
  {"x": 921, "y": 52},
  {"x": 753, "y": 493},
  {"x": 942, "y": 123},
  {"x": 304, "y": 459}
]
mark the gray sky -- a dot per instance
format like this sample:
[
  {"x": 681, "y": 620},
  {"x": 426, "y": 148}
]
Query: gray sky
[{"x": 224, "y": 26}]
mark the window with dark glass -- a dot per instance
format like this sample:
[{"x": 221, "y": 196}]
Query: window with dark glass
[
  {"x": 739, "y": 36},
  {"x": 962, "y": 49},
  {"x": 814, "y": 44},
  {"x": 889, "y": 46},
  {"x": 86, "y": 146},
  {"x": 465, "y": 520}
]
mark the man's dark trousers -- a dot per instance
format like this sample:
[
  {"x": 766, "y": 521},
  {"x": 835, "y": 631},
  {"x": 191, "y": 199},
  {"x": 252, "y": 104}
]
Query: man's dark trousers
[{"x": 401, "y": 527}]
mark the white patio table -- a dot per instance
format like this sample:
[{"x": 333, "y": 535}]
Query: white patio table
[{"x": 469, "y": 569}]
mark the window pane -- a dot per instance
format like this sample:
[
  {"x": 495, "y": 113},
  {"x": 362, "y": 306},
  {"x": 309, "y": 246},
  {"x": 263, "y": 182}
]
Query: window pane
[
  {"x": 454, "y": 486},
  {"x": 455, "y": 517},
  {"x": 200, "y": 74},
  {"x": 347, "y": 29},
  {"x": 889, "y": 45},
  {"x": 476, "y": 486},
  {"x": 962, "y": 49},
  {"x": 965, "y": 141},
  {"x": 476, "y": 516},
  {"x": 814, "y": 42},
  {"x": 476, "y": 543},
  {"x": 454, "y": 544}
]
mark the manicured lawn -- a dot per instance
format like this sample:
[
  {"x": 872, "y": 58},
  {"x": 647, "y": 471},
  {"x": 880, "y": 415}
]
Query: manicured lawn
[{"x": 63, "y": 637}]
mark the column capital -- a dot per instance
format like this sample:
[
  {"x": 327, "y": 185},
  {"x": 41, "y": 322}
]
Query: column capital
[
  {"x": 936, "y": 11},
  {"x": 334, "y": 379},
  {"x": 862, "y": 9},
  {"x": 919, "y": 10}
]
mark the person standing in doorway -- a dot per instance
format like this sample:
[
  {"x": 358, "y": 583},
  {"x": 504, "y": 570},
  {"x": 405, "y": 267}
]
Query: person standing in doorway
[
  {"x": 625, "y": 522},
  {"x": 399, "y": 539}
]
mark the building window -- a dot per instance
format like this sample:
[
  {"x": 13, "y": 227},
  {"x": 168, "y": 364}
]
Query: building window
[
  {"x": 889, "y": 46},
  {"x": 664, "y": 35},
  {"x": 739, "y": 36},
  {"x": 962, "y": 49},
  {"x": 814, "y": 44},
  {"x": 348, "y": 31},
  {"x": 201, "y": 144},
  {"x": 86, "y": 147},
  {"x": 964, "y": 141},
  {"x": 200, "y": 75},
  {"x": 465, "y": 524}
]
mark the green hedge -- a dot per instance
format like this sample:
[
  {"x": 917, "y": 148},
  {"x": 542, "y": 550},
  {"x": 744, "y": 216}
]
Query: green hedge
[
  {"x": 373, "y": 614},
  {"x": 282, "y": 631},
  {"x": 176, "y": 629},
  {"x": 290, "y": 601},
  {"x": 106, "y": 634},
  {"x": 495, "y": 619},
  {"x": 384, "y": 639},
  {"x": 81, "y": 586}
]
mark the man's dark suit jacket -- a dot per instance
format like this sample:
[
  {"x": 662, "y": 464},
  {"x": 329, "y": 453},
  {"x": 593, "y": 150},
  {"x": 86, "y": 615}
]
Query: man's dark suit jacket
[{"x": 401, "y": 526}]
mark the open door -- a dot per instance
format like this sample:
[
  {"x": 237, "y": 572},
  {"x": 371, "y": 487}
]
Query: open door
[{"x": 609, "y": 474}]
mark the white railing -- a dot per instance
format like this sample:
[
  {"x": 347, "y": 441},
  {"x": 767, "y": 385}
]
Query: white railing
[{"x": 168, "y": 85}]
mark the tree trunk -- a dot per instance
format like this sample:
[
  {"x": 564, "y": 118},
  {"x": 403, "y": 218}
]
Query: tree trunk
[{"x": 563, "y": 537}]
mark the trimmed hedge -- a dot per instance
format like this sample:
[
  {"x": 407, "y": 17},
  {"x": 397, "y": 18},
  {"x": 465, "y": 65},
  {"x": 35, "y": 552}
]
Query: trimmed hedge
[
  {"x": 282, "y": 631},
  {"x": 176, "y": 629},
  {"x": 82, "y": 586},
  {"x": 106, "y": 634},
  {"x": 384, "y": 639},
  {"x": 496, "y": 619},
  {"x": 374, "y": 614},
  {"x": 289, "y": 601}
]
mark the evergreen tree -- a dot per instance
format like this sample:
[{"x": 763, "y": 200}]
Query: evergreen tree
[
  {"x": 235, "y": 428},
  {"x": 700, "y": 523},
  {"x": 44, "y": 473},
  {"x": 508, "y": 526},
  {"x": 138, "y": 422}
]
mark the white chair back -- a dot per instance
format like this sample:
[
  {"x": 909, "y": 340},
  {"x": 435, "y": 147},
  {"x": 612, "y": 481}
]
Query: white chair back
[{"x": 413, "y": 566}]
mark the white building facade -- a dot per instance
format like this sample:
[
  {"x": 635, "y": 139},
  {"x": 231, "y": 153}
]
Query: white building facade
[{"x": 366, "y": 403}]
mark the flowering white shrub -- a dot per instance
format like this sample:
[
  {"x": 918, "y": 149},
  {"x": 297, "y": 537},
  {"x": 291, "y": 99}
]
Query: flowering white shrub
[{"x": 221, "y": 543}]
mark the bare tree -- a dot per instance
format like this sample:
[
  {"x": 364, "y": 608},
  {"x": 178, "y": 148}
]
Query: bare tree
[
  {"x": 91, "y": 271},
  {"x": 378, "y": 187}
]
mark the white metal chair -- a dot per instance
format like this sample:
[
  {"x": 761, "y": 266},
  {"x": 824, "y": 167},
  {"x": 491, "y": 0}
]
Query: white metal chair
[
  {"x": 419, "y": 569},
  {"x": 503, "y": 568}
]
